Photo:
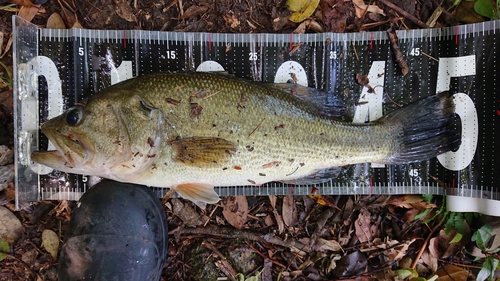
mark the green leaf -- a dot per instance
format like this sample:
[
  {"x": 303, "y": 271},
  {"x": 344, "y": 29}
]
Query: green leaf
[
  {"x": 240, "y": 277},
  {"x": 488, "y": 270},
  {"x": 4, "y": 249},
  {"x": 302, "y": 9},
  {"x": 469, "y": 217},
  {"x": 482, "y": 236},
  {"x": 484, "y": 8},
  {"x": 406, "y": 273},
  {"x": 483, "y": 274},
  {"x": 428, "y": 197},
  {"x": 421, "y": 215},
  {"x": 457, "y": 238},
  {"x": 433, "y": 278}
]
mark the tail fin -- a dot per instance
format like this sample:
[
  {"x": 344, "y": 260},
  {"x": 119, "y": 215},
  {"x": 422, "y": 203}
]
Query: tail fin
[{"x": 425, "y": 129}]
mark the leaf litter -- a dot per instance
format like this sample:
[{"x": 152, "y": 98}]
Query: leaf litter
[{"x": 276, "y": 237}]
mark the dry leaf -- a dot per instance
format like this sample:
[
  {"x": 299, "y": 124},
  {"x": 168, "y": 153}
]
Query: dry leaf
[
  {"x": 26, "y": 3},
  {"x": 279, "y": 219},
  {"x": 235, "y": 210},
  {"x": 361, "y": 7},
  {"x": 323, "y": 245},
  {"x": 194, "y": 11},
  {"x": 77, "y": 24},
  {"x": 452, "y": 273},
  {"x": 187, "y": 213},
  {"x": 289, "y": 211},
  {"x": 398, "y": 252},
  {"x": 406, "y": 201},
  {"x": 50, "y": 242},
  {"x": 28, "y": 12},
  {"x": 11, "y": 228},
  {"x": 55, "y": 21},
  {"x": 363, "y": 226},
  {"x": 124, "y": 11},
  {"x": 272, "y": 200},
  {"x": 429, "y": 260},
  {"x": 6, "y": 154},
  {"x": 440, "y": 247}
]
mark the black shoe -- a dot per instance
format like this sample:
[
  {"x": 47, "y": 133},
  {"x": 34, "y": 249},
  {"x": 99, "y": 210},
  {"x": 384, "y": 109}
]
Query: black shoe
[{"x": 117, "y": 232}]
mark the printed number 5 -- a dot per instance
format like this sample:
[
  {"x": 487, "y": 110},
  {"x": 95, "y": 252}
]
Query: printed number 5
[
  {"x": 80, "y": 51},
  {"x": 464, "y": 107}
]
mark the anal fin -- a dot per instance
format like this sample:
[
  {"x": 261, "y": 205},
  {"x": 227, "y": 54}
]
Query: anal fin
[{"x": 198, "y": 192}]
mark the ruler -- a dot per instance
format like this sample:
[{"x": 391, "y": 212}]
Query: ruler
[{"x": 54, "y": 69}]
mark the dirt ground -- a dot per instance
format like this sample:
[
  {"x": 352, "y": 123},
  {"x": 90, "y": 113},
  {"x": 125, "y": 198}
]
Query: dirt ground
[{"x": 322, "y": 238}]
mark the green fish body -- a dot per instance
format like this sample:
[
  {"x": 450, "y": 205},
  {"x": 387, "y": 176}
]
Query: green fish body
[{"x": 193, "y": 131}]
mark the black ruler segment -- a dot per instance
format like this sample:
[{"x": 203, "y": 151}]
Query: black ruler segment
[{"x": 462, "y": 59}]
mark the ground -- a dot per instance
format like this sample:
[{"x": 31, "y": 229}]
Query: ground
[{"x": 285, "y": 238}]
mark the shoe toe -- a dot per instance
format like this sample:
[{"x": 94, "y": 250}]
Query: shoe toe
[{"x": 117, "y": 232}]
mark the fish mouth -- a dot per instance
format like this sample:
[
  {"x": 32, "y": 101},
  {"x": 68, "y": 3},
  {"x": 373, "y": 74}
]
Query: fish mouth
[{"x": 70, "y": 153}]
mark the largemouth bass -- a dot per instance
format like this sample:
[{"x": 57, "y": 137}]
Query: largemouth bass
[{"x": 194, "y": 131}]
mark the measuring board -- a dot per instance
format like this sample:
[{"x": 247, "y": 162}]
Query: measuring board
[{"x": 54, "y": 69}]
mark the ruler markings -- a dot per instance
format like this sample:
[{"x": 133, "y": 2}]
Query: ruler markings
[{"x": 342, "y": 41}]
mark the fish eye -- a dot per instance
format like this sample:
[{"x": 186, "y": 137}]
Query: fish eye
[{"x": 73, "y": 116}]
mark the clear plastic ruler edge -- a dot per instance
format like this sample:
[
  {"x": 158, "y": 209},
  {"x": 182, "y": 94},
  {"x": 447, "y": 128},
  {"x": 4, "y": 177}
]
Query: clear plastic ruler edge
[{"x": 26, "y": 61}]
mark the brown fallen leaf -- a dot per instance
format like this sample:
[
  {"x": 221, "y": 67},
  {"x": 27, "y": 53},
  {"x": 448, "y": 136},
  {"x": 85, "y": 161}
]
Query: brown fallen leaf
[
  {"x": 28, "y": 12},
  {"x": 308, "y": 24},
  {"x": 235, "y": 210},
  {"x": 361, "y": 7},
  {"x": 452, "y": 273},
  {"x": 124, "y": 11},
  {"x": 440, "y": 246},
  {"x": 289, "y": 211},
  {"x": 398, "y": 252},
  {"x": 11, "y": 228},
  {"x": 323, "y": 245},
  {"x": 26, "y": 3},
  {"x": 429, "y": 260},
  {"x": 363, "y": 226},
  {"x": 194, "y": 11},
  {"x": 277, "y": 216},
  {"x": 406, "y": 201},
  {"x": 187, "y": 214},
  {"x": 55, "y": 21}
]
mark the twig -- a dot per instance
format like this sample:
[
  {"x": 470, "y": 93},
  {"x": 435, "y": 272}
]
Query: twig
[
  {"x": 225, "y": 266},
  {"x": 231, "y": 233},
  {"x": 23, "y": 263},
  {"x": 258, "y": 126},
  {"x": 403, "y": 12},
  {"x": 264, "y": 256},
  {"x": 204, "y": 98},
  {"x": 424, "y": 246},
  {"x": 211, "y": 214},
  {"x": 429, "y": 56},
  {"x": 355, "y": 52}
]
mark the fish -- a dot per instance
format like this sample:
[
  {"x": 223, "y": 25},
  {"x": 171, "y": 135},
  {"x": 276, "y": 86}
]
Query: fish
[{"x": 191, "y": 131}]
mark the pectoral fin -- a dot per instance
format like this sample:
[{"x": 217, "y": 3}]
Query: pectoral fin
[
  {"x": 197, "y": 192},
  {"x": 202, "y": 152}
]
